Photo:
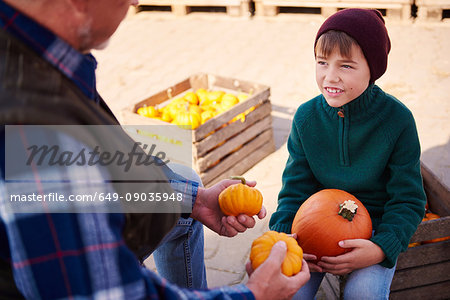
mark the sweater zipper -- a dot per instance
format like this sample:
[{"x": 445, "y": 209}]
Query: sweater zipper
[{"x": 343, "y": 137}]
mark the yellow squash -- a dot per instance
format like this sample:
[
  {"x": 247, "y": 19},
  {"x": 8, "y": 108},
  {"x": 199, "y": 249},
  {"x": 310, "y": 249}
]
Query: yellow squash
[
  {"x": 228, "y": 101},
  {"x": 148, "y": 111},
  {"x": 187, "y": 119}
]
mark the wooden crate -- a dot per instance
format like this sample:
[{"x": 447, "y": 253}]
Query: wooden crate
[
  {"x": 238, "y": 145},
  {"x": 431, "y": 10},
  {"x": 183, "y": 7},
  {"x": 394, "y": 9},
  {"x": 423, "y": 272}
]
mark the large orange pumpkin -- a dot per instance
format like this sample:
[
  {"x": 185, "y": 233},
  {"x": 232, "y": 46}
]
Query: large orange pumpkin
[{"x": 327, "y": 217}]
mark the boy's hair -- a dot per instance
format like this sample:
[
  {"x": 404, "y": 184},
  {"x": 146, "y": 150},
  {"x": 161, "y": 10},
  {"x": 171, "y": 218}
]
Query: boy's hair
[
  {"x": 366, "y": 27},
  {"x": 334, "y": 39}
]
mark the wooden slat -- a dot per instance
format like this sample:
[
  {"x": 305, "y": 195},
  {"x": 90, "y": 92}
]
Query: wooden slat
[
  {"x": 214, "y": 123},
  {"x": 164, "y": 94},
  {"x": 435, "y": 291},
  {"x": 237, "y": 85},
  {"x": 204, "y": 162},
  {"x": 336, "y": 3},
  {"x": 392, "y": 5},
  {"x": 240, "y": 157},
  {"x": 438, "y": 195},
  {"x": 182, "y": 7},
  {"x": 330, "y": 287},
  {"x": 430, "y": 13},
  {"x": 432, "y": 229},
  {"x": 298, "y": 3},
  {"x": 441, "y": 3},
  {"x": 192, "y": 2},
  {"x": 423, "y": 255},
  {"x": 156, "y": 2},
  {"x": 128, "y": 117},
  {"x": 394, "y": 9},
  {"x": 211, "y": 141},
  {"x": 208, "y": 2},
  {"x": 244, "y": 163},
  {"x": 198, "y": 81},
  {"x": 428, "y": 274}
]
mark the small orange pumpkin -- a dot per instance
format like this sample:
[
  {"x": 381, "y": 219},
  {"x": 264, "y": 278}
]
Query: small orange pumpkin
[
  {"x": 431, "y": 216},
  {"x": 327, "y": 217},
  {"x": 240, "y": 199},
  {"x": 191, "y": 97},
  {"x": 148, "y": 111},
  {"x": 214, "y": 96},
  {"x": 436, "y": 240},
  {"x": 262, "y": 246},
  {"x": 206, "y": 115},
  {"x": 228, "y": 101},
  {"x": 202, "y": 95},
  {"x": 412, "y": 245}
]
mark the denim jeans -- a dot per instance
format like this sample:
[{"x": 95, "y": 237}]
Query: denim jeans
[
  {"x": 373, "y": 282},
  {"x": 180, "y": 256}
]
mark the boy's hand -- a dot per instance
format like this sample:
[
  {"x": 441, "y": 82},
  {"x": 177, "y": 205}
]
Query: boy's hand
[
  {"x": 312, "y": 266},
  {"x": 309, "y": 258},
  {"x": 364, "y": 253}
]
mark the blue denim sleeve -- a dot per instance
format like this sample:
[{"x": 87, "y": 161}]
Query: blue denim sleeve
[{"x": 188, "y": 188}]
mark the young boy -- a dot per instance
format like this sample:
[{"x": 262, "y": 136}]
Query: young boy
[{"x": 356, "y": 138}]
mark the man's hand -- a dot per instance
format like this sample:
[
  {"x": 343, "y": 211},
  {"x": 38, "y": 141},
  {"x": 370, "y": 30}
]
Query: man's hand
[
  {"x": 364, "y": 253},
  {"x": 267, "y": 281},
  {"x": 206, "y": 210}
]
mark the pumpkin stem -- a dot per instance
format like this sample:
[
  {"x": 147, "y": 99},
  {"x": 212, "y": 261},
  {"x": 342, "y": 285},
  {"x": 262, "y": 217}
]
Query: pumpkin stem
[
  {"x": 241, "y": 178},
  {"x": 348, "y": 209}
]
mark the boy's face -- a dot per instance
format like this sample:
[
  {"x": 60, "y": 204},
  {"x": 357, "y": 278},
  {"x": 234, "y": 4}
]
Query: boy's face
[{"x": 342, "y": 79}]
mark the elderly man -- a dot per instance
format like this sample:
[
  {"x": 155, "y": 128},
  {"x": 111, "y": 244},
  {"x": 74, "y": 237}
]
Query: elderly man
[{"x": 48, "y": 77}]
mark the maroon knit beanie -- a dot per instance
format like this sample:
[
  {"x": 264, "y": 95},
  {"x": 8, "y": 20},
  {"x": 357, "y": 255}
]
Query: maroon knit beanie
[{"x": 366, "y": 26}]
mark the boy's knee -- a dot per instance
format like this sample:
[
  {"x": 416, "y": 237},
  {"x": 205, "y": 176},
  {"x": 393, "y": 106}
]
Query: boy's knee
[{"x": 367, "y": 288}]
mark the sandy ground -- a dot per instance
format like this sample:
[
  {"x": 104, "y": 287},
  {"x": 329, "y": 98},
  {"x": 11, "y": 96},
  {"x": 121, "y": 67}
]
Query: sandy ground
[{"x": 153, "y": 50}]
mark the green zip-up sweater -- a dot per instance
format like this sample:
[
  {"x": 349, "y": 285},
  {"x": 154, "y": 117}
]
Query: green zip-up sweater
[{"x": 369, "y": 148}]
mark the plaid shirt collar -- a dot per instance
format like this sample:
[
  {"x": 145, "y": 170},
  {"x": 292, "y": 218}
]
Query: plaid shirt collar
[{"x": 77, "y": 67}]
